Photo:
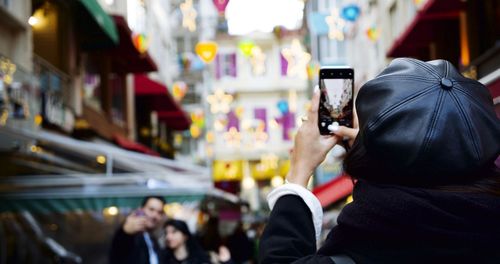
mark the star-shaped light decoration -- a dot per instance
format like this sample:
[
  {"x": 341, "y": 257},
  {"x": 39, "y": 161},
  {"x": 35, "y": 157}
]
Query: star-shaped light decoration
[
  {"x": 297, "y": 60},
  {"x": 188, "y": 15},
  {"x": 336, "y": 25},
  {"x": 219, "y": 101},
  {"x": 269, "y": 161},
  {"x": 233, "y": 137},
  {"x": 260, "y": 137},
  {"x": 7, "y": 69},
  {"x": 258, "y": 61}
]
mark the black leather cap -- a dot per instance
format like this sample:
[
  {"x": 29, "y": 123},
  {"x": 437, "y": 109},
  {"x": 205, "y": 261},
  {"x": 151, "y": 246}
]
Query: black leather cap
[{"x": 427, "y": 123}]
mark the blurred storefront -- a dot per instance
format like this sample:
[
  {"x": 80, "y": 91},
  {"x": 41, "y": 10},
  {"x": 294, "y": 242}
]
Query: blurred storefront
[
  {"x": 463, "y": 32},
  {"x": 62, "y": 198}
]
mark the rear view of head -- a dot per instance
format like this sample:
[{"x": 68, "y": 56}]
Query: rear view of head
[{"x": 423, "y": 123}]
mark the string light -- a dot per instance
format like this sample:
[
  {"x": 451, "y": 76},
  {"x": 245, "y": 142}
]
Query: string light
[
  {"x": 219, "y": 101},
  {"x": 336, "y": 25}
]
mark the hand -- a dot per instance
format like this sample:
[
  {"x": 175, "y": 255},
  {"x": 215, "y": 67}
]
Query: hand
[
  {"x": 134, "y": 224},
  {"x": 224, "y": 254},
  {"x": 347, "y": 132},
  {"x": 310, "y": 147}
]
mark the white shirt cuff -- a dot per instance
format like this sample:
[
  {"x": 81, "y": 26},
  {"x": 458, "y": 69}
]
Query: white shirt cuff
[{"x": 308, "y": 197}]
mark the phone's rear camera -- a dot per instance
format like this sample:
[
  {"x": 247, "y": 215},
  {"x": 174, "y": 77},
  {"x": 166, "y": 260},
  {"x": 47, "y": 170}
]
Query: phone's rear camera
[{"x": 340, "y": 73}]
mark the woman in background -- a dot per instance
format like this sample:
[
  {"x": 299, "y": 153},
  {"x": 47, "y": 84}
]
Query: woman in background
[{"x": 182, "y": 248}]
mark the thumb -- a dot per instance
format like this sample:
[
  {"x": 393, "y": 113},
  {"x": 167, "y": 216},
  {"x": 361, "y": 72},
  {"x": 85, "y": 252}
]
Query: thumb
[{"x": 348, "y": 132}]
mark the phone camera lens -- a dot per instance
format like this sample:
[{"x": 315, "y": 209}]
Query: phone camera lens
[{"x": 340, "y": 73}]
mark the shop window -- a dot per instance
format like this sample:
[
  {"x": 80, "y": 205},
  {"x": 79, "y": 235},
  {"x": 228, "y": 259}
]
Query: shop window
[
  {"x": 92, "y": 91},
  {"x": 118, "y": 99},
  {"x": 226, "y": 65}
]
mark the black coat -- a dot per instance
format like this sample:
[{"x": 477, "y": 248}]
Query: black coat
[
  {"x": 131, "y": 249},
  {"x": 387, "y": 224}
]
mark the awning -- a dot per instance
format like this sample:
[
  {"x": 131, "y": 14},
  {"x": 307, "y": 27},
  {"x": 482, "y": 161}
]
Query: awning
[
  {"x": 57, "y": 191},
  {"x": 126, "y": 58},
  {"x": 97, "y": 28},
  {"x": 155, "y": 96},
  {"x": 434, "y": 19},
  {"x": 334, "y": 190},
  {"x": 133, "y": 146}
]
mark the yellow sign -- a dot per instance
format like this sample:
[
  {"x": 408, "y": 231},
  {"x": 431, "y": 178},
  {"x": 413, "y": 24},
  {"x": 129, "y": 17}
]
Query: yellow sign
[{"x": 227, "y": 170}]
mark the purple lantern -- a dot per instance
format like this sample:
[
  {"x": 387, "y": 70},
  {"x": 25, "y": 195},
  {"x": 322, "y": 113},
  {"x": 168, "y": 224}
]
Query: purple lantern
[{"x": 221, "y": 5}]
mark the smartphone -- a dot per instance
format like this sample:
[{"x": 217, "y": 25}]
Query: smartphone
[
  {"x": 336, "y": 86},
  {"x": 139, "y": 212}
]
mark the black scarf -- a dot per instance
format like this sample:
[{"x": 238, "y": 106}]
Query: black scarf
[{"x": 395, "y": 224}]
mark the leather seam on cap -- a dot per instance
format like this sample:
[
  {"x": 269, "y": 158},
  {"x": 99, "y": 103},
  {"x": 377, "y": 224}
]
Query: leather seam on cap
[
  {"x": 430, "y": 70},
  {"x": 430, "y": 131},
  {"x": 467, "y": 124},
  {"x": 473, "y": 100},
  {"x": 405, "y": 77},
  {"x": 412, "y": 97}
]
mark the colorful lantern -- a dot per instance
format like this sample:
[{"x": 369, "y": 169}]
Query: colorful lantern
[
  {"x": 373, "y": 33},
  {"x": 198, "y": 118},
  {"x": 141, "y": 42},
  {"x": 206, "y": 50},
  {"x": 283, "y": 106},
  {"x": 238, "y": 111},
  {"x": 313, "y": 70},
  {"x": 221, "y": 5},
  {"x": 351, "y": 12},
  {"x": 246, "y": 47},
  {"x": 179, "y": 90},
  {"x": 195, "y": 131}
]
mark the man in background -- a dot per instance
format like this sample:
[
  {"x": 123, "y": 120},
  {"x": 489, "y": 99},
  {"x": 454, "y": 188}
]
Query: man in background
[{"x": 134, "y": 242}]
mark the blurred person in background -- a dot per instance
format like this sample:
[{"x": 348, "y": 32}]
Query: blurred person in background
[
  {"x": 182, "y": 247},
  {"x": 427, "y": 189},
  {"x": 134, "y": 242},
  {"x": 240, "y": 246}
]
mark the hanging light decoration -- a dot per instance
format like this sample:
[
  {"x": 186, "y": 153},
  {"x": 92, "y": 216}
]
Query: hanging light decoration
[
  {"x": 238, "y": 111},
  {"x": 206, "y": 50},
  {"x": 283, "y": 106},
  {"x": 336, "y": 25},
  {"x": 141, "y": 42},
  {"x": 246, "y": 47},
  {"x": 179, "y": 90},
  {"x": 373, "y": 33},
  {"x": 258, "y": 61},
  {"x": 195, "y": 131},
  {"x": 188, "y": 15},
  {"x": 351, "y": 12},
  {"x": 219, "y": 102},
  {"x": 233, "y": 137},
  {"x": 7, "y": 70},
  {"x": 221, "y": 5},
  {"x": 313, "y": 70},
  {"x": 297, "y": 60}
]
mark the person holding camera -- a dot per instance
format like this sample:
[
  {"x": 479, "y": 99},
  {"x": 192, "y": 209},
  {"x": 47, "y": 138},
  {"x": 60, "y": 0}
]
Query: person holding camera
[
  {"x": 134, "y": 242},
  {"x": 422, "y": 156}
]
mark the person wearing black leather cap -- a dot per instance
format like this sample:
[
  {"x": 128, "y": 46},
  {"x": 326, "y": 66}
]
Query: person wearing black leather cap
[{"x": 427, "y": 189}]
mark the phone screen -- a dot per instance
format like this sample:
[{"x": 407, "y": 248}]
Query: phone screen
[{"x": 336, "y": 99}]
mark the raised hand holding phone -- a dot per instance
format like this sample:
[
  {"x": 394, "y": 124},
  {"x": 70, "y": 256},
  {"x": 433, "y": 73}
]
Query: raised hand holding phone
[
  {"x": 310, "y": 146},
  {"x": 135, "y": 222}
]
